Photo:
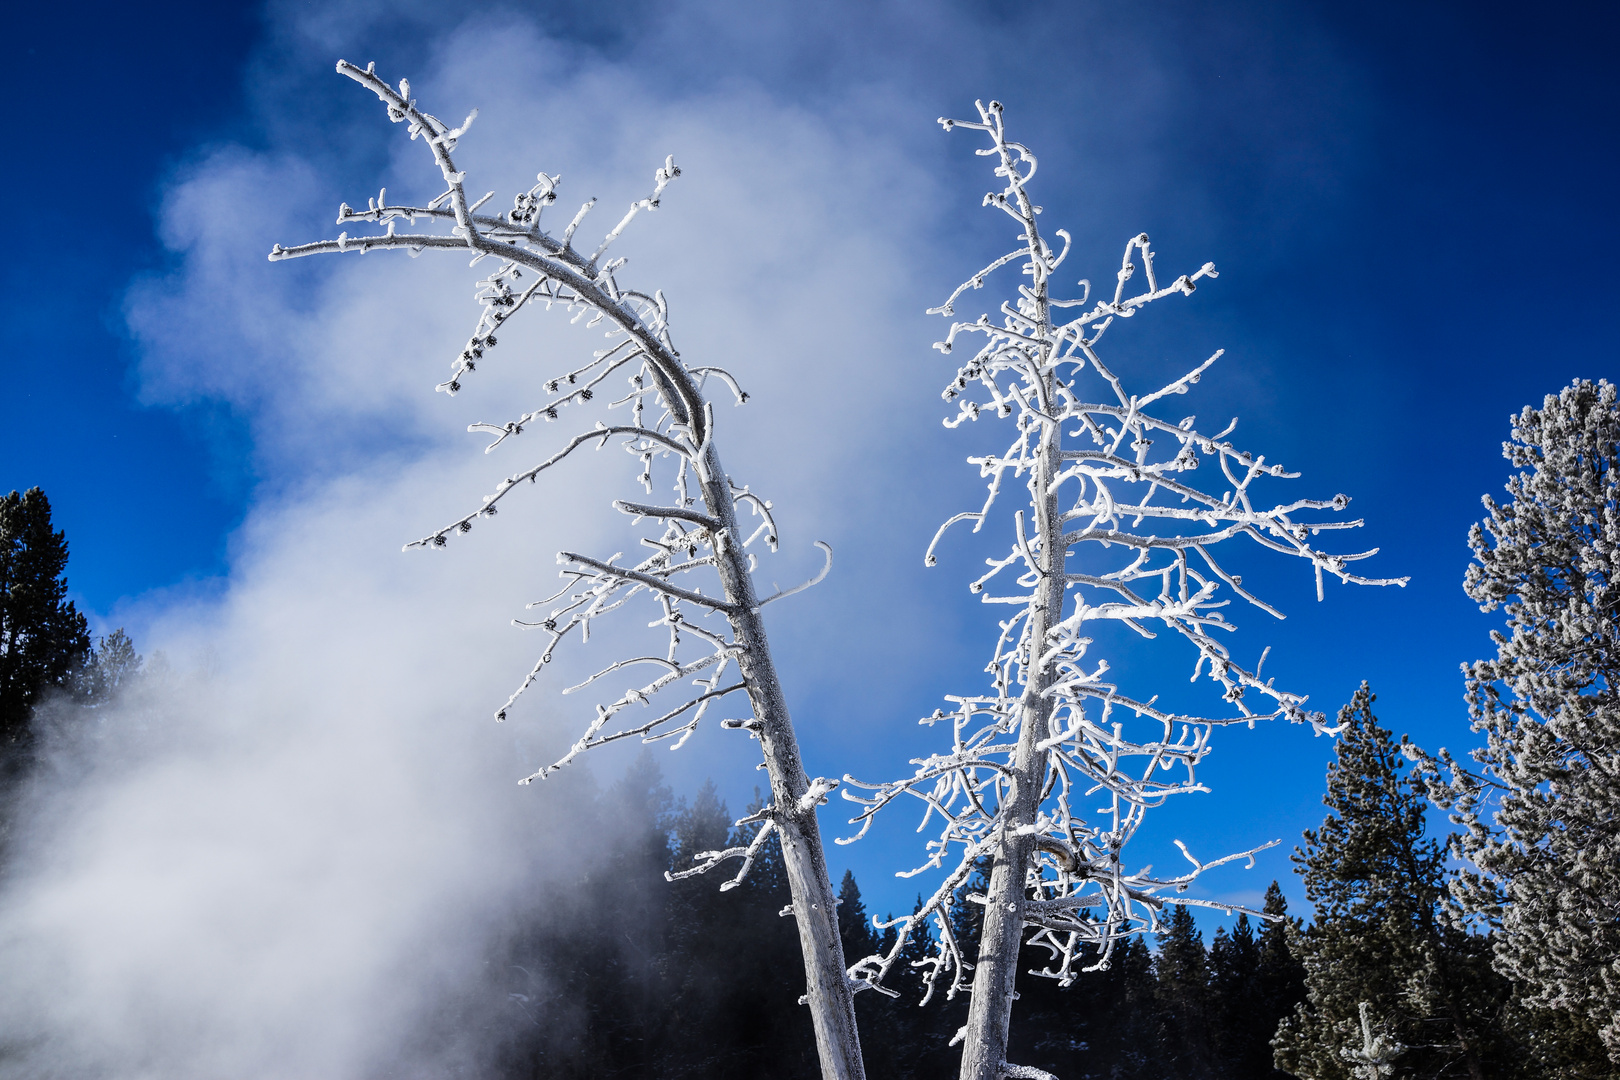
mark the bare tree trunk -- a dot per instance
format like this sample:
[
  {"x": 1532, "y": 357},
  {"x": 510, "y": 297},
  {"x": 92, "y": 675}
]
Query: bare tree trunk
[
  {"x": 984, "y": 1054},
  {"x": 995, "y": 973},
  {"x": 831, "y": 1001}
]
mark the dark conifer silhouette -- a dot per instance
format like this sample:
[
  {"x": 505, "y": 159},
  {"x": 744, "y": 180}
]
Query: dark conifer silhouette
[
  {"x": 1234, "y": 1016},
  {"x": 43, "y": 637},
  {"x": 1280, "y": 985},
  {"x": 1182, "y": 968},
  {"x": 854, "y": 925}
]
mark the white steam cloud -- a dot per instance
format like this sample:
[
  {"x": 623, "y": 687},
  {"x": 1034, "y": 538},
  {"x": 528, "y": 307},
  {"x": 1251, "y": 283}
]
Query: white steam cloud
[{"x": 267, "y": 865}]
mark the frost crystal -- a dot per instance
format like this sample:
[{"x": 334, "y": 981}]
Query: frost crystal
[{"x": 1050, "y": 771}]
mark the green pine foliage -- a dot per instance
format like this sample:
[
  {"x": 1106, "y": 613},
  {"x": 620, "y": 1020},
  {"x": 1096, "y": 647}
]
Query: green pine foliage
[
  {"x": 43, "y": 638},
  {"x": 1381, "y": 933}
]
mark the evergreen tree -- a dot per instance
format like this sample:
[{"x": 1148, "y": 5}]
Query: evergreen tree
[
  {"x": 895, "y": 1033},
  {"x": 886, "y": 940},
  {"x": 703, "y": 826},
  {"x": 1380, "y": 935},
  {"x": 1106, "y": 1023},
  {"x": 43, "y": 638},
  {"x": 764, "y": 974},
  {"x": 965, "y": 917},
  {"x": 1182, "y": 968},
  {"x": 584, "y": 972},
  {"x": 1543, "y": 821},
  {"x": 900, "y": 1037},
  {"x": 624, "y": 973},
  {"x": 854, "y": 927},
  {"x": 737, "y": 976},
  {"x": 908, "y": 967},
  {"x": 1238, "y": 1033},
  {"x": 620, "y": 972},
  {"x": 629, "y": 983},
  {"x": 1280, "y": 985},
  {"x": 1127, "y": 1040},
  {"x": 110, "y": 666}
]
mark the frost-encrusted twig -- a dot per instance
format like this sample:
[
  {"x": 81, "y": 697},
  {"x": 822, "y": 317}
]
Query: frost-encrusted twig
[
  {"x": 1050, "y": 773},
  {"x": 1372, "y": 1057},
  {"x": 696, "y": 571}
]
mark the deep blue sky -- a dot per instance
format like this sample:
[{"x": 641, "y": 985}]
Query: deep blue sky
[
  {"x": 111, "y": 106},
  {"x": 1463, "y": 256},
  {"x": 1413, "y": 206}
]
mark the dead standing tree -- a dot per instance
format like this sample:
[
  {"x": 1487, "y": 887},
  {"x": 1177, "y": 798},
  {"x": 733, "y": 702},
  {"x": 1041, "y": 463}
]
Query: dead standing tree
[
  {"x": 1030, "y": 762},
  {"x": 698, "y": 573}
]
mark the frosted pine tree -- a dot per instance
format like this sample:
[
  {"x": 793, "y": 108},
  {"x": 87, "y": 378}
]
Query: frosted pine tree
[
  {"x": 1543, "y": 812},
  {"x": 694, "y": 575},
  {"x": 1048, "y": 771}
]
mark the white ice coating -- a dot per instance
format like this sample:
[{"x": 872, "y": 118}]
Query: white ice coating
[
  {"x": 1114, "y": 507},
  {"x": 637, "y": 327},
  {"x": 696, "y": 570}
]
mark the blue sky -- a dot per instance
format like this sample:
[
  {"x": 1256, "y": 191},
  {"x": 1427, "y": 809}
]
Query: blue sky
[{"x": 1412, "y": 207}]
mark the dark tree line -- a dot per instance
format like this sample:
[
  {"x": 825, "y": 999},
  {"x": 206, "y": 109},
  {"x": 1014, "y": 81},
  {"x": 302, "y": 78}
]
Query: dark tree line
[
  {"x": 43, "y": 637},
  {"x": 45, "y": 643},
  {"x": 624, "y": 973}
]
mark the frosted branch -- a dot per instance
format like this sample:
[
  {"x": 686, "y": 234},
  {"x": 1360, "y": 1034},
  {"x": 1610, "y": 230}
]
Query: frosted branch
[
  {"x": 1052, "y": 770},
  {"x": 696, "y": 578}
]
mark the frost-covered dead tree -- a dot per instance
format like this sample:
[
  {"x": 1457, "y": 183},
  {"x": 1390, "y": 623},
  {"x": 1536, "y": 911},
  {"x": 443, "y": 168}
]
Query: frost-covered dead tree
[
  {"x": 1050, "y": 771},
  {"x": 694, "y": 576}
]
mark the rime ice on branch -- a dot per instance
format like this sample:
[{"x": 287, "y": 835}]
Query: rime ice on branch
[
  {"x": 1049, "y": 771},
  {"x": 695, "y": 574}
]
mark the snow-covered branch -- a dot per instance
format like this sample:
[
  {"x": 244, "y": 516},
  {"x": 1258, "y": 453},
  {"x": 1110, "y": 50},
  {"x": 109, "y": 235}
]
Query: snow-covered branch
[
  {"x": 697, "y": 576},
  {"x": 1050, "y": 773}
]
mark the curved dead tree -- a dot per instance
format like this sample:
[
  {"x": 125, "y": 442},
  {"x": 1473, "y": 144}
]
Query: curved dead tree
[{"x": 694, "y": 574}]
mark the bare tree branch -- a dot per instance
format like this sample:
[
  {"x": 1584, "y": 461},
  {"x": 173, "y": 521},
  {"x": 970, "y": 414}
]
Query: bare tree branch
[
  {"x": 1050, "y": 773},
  {"x": 670, "y": 431}
]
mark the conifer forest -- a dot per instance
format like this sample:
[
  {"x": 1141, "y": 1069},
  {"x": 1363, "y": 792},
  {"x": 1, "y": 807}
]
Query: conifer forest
[{"x": 892, "y": 540}]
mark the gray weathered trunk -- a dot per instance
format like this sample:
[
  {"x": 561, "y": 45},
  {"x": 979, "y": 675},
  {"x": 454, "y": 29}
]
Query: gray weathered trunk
[
  {"x": 995, "y": 973},
  {"x": 831, "y": 1001}
]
